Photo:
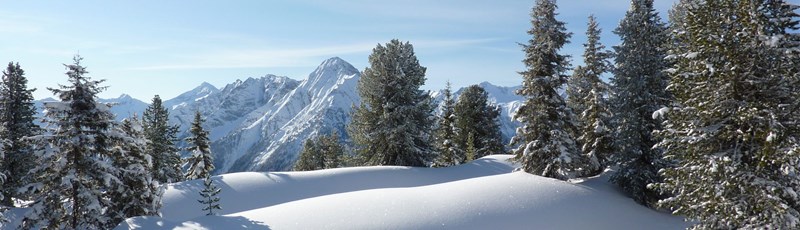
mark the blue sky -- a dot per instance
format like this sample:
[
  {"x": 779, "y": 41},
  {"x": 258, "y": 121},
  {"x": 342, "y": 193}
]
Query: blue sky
[{"x": 149, "y": 47}]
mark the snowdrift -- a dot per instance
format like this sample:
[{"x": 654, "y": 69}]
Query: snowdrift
[{"x": 483, "y": 194}]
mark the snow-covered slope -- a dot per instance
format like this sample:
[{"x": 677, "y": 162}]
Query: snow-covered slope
[
  {"x": 191, "y": 96},
  {"x": 126, "y": 106},
  {"x": 227, "y": 109},
  {"x": 483, "y": 194}
]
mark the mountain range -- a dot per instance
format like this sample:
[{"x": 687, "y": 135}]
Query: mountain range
[{"x": 260, "y": 124}]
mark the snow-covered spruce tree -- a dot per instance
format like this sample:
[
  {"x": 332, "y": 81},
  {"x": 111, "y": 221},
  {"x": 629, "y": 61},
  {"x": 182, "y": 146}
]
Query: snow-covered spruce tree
[
  {"x": 597, "y": 137},
  {"x": 392, "y": 125},
  {"x": 210, "y": 196},
  {"x": 141, "y": 194},
  {"x": 546, "y": 145},
  {"x": 17, "y": 113},
  {"x": 475, "y": 115},
  {"x": 444, "y": 135},
  {"x": 3, "y": 207},
  {"x": 161, "y": 143},
  {"x": 323, "y": 152},
  {"x": 639, "y": 90},
  {"x": 733, "y": 132},
  {"x": 586, "y": 96},
  {"x": 595, "y": 58},
  {"x": 201, "y": 162},
  {"x": 676, "y": 15},
  {"x": 75, "y": 167}
]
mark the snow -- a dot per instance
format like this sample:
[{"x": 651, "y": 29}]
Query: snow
[
  {"x": 771, "y": 137},
  {"x": 661, "y": 112},
  {"x": 483, "y": 194}
]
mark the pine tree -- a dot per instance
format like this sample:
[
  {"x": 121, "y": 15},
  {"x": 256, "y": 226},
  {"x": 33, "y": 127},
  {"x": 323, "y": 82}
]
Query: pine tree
[
  {"x": 210, "y": 194},
  {"x": 546, "y": 144},
  {"x": 639, "y": 90},
  {"x": 471, "y": 151},
  {"x": 733, "y": 132},
  {"x": 474, "y": 115},
  {"x": 332, "y": 150},
  {"x": 161, "y": 143},
  {"x": 141, "y": 195},
  {"x": 307, "y": 160},
  {"x": 74, "y": 165},
  {"x": 586, "y": 96},
  {"x": 392, "y": 126},
  {"x": 17, "y": 114},
  {"x": 323, "y": 152},
  {"x": 201, "y": 162},
  {"x": 449, "y": 153}
]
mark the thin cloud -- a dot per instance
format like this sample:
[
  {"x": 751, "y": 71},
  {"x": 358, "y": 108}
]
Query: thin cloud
[
  {"x": 299, "y": 57},
  {"x": 447, "y": 10}
]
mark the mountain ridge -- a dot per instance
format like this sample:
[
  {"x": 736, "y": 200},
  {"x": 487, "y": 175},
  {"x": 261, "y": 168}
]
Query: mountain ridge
[{"x": 260, "y": 124}]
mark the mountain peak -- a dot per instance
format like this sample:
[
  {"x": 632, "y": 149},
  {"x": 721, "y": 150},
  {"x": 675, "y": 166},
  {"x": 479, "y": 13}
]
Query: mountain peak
[
  {"x": 486, "y": 83},
  {"x": 334, "y": 61},
  {"x": 204, "y": 89},
  {"x": 206, "y": 85},
  {"x": 335, "y": 64},
  {"x": 124, "y": 97},
  {"x": 330, "y": 71}
]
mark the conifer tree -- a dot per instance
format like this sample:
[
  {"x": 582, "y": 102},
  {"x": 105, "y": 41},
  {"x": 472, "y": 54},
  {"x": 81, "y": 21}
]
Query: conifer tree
[
  {"x": 471, "y": 151},
  {"x": 74, "y": 165},
  {"x": 474, "y": 115},
  {"x": 307, "y": 160},
  {"x": 597, "y": 137},
  {"x": 201, "y": 162},
  {"x": 586, "y": 96},
  {"x": 141, "y": 194},
  {"x": 449, "y": 153},
  {"x": 210, "y": 196},
  {"x": 323, "y": 152},
  {"x": 392, "y": 125},
  {"x": 733, "y": 132},
  {"x": 332, "y": 150},
  {"x": 3, "y": 208},
  {"x": 595, "y": 58},
  {"x": 161, "y": 143},
  {"x": 639, "y": 90},
  {"x": 17, "y": 114},
  {"x": 546, "y": 143}
]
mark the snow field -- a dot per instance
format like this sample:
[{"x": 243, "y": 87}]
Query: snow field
[{"x": 483, "y": 194}]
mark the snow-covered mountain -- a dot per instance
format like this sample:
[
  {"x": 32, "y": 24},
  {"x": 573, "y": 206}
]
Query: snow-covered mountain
[
  {"x": 320, "y": 104},
  {"x": 124, "y": 106},
  {"x": 260, "y": 124},
  {"x": 190, "y": 96},
  {"x": 227, "y": 109}
]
